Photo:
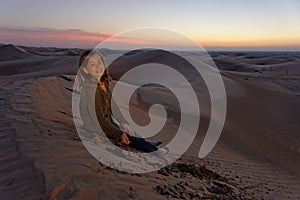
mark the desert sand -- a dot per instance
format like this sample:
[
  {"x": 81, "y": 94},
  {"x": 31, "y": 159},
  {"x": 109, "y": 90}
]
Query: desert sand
[{"x": 257, "y": 156}]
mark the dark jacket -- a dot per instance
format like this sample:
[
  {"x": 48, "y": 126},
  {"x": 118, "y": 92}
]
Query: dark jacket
[{"x": 95, "y": 110}]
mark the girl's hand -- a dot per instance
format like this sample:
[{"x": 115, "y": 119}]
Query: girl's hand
[
  {"x": 128, "y": 129},
  {"x": 124, "y": 139}
]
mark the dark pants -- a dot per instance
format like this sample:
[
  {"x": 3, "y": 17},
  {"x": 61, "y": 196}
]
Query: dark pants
[{"x": 141, "y": 144}]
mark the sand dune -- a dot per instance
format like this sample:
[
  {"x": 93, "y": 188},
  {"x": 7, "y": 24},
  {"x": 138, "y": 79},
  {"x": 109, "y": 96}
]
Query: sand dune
[
  {"x": 257, "y": 155},
  {"x": 12, "y": 52},
  {"x": 52, "y": 51}
]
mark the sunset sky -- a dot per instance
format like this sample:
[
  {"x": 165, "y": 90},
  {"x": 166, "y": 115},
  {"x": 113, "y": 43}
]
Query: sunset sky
[{"x": 215, "y": 24}]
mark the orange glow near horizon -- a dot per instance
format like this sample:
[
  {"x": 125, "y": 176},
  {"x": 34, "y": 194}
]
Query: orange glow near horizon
[
  {"x": 249, "y": 40},
  {"x": 281, "y": 42}
]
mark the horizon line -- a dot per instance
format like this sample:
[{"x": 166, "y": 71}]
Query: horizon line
[{"x": 77, "y": 38}]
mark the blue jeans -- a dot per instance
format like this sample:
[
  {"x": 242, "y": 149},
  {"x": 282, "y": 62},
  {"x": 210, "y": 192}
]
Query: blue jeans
[{"x": 139, "y": 142}]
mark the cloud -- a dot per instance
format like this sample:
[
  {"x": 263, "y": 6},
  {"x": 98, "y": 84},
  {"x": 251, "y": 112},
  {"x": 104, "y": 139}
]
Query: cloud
[
  {"x": 63, "y": 38},
  {"x": 51, "y": 37}
]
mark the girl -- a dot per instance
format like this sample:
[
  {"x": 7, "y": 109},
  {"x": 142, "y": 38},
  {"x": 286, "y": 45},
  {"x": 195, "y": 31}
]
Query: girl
[{"x": 95, "y": 88}]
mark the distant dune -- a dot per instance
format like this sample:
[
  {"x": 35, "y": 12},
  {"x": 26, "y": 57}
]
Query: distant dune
[{"x": 12, "y": 52}]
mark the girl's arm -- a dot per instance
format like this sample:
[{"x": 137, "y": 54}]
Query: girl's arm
[
  {"x": 95, "y": 108},
  {"x": 117, "y": 113}
]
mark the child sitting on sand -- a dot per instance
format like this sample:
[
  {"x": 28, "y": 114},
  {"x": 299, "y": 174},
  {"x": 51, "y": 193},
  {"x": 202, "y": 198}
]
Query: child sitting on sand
[{"x": 95, "y": 88}]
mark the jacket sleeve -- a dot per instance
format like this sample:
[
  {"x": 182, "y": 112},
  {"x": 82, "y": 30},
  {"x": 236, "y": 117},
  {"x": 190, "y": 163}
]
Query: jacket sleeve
[
  {"x": 117, "y": 113},
  {"x": 95, "y": 108},
  {"x": 111, "y": 131}
]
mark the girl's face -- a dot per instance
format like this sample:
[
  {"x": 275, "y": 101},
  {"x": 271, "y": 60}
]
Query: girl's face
[{"x": 95, "y": 67}]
